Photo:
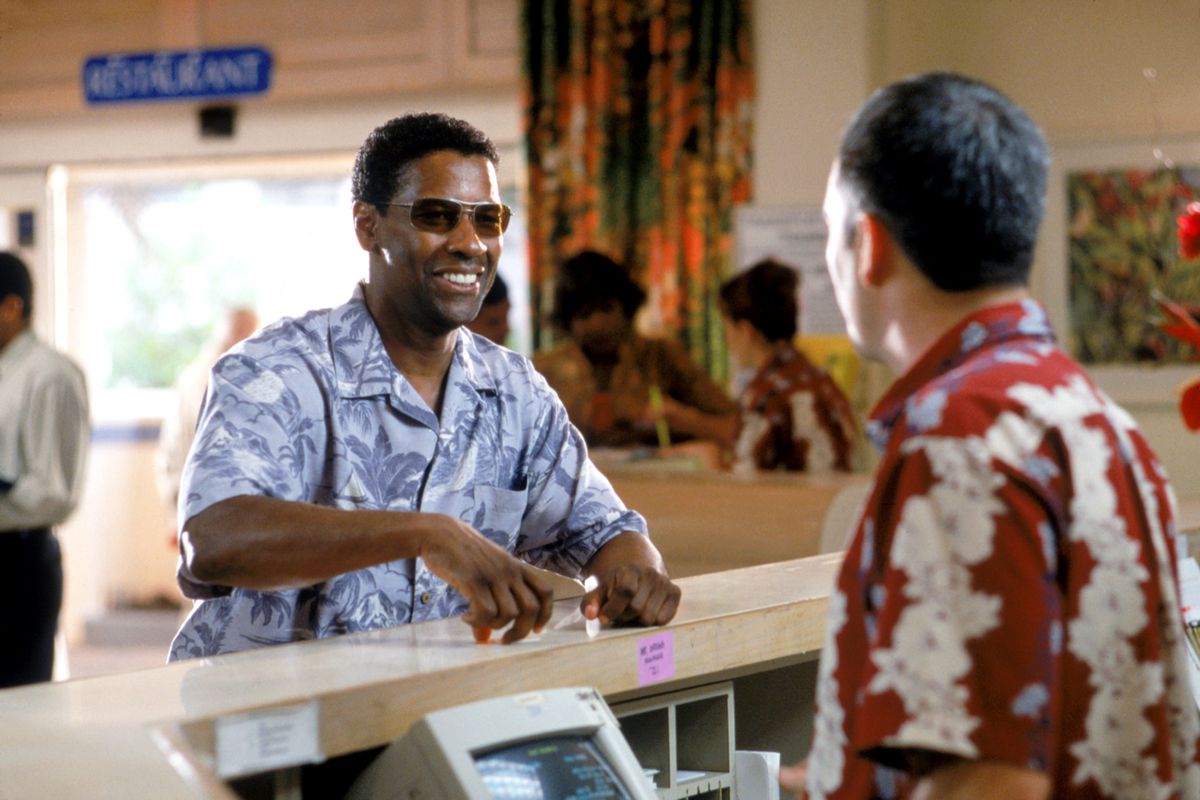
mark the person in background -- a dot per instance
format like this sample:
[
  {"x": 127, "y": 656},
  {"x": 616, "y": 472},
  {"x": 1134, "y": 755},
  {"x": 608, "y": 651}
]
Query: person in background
[
  {"x": 1006, "y": 622},
  {"x": 179, "y": 426},
  {"x": 492, "y": 321},
  {"x": 791, "y": 415},
  {"x": 371, "y": 465},
  {"x": 609, "y": 377},
  {"x": 44, "y": 433}
]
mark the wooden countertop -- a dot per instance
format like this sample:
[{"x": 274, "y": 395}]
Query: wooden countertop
[{"x": 151, "y": 733}]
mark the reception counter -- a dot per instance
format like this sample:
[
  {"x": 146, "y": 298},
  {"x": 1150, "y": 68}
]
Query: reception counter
[{"x": 153, "y": 734}]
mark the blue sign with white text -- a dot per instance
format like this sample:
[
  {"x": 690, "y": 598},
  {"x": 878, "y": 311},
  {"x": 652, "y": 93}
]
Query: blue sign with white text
[{"x": 177, "y": 75}]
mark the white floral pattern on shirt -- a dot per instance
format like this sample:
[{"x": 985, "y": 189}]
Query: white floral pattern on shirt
[{"x": 1016, "y": 557}]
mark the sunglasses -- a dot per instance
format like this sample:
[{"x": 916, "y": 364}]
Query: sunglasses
[{"x": 440, "y": 215}]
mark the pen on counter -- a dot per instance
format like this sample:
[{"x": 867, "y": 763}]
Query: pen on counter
[{"x": 660, "y": 419}]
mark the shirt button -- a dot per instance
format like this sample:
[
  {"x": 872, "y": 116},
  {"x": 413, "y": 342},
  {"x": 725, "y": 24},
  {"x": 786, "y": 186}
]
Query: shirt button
[{"x": 425, "y": 598}]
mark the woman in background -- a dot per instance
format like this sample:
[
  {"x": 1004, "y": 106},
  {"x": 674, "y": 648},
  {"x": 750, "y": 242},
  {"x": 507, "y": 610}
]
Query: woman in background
[{"x": 791, "y": 415}]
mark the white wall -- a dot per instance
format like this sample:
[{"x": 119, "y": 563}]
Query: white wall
[{"x": 1077, "y": 67}]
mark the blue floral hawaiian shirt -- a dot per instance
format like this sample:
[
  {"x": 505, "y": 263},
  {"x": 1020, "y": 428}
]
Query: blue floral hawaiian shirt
[{"x": 313, "y": 410}]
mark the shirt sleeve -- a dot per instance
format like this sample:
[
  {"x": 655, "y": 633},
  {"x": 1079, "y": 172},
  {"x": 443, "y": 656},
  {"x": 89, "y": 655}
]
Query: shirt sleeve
[
  {"x": 55, "y": 439},
  {"x": 963, "y": 613},
  {"x": 572, "y": 509},
  {"x": 252, "y": 438}
]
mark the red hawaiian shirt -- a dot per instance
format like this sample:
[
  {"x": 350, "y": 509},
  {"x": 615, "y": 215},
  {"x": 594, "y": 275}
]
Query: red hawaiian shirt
[
  {"x": 1010, "y": 593},
  {"x": 793, "y": 417}
]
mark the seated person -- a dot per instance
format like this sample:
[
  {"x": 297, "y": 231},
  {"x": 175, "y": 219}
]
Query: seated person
[
  {"x": 791, "y": 415},
  {"x": 492, "y": 322},
  {"x": 604, "y": 372}
]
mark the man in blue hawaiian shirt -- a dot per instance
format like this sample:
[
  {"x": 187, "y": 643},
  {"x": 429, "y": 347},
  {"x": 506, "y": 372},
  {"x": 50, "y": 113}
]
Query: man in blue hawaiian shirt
[{"x": 376, "y": 464}]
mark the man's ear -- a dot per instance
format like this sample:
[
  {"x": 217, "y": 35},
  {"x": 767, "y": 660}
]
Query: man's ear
[
  {"x": 12, "y": 308},
  {"x": 876, "y": 249},
  {"x": 366, "y": 225}
]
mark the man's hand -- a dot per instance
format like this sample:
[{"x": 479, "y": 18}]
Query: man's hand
[
  {"x": 794, "y": 778},
  {"x": 633, "y": 593},
  {"x": 632, "y": 585},
  {"x": 499, "y": 588}
]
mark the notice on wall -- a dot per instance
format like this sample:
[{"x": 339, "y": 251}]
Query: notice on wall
[{"x": 796, "y": 237}]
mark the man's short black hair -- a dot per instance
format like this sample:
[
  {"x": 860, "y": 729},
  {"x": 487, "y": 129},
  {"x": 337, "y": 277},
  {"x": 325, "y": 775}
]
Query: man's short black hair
[
  {"x": 764, "y": 295},
  {"x": 957, "y": 173},
  {"x": 15, "y": 279},
  {"x": 589, "y": 281},
  {"x": 398, "y": 142}
]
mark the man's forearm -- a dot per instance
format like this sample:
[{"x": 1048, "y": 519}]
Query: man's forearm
[{"x": 257, "y": 542}]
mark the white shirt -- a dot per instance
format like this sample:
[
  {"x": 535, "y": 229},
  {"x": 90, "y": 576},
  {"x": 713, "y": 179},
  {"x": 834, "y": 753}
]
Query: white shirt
[{"x": 44, "y": 433}]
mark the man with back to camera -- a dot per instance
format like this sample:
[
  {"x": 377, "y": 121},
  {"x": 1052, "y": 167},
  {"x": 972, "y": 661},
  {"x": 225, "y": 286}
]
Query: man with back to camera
[
  {"x": 44, "y": 434},
  {"x": 374, "y": 464},
  {"x": 1007, "y": 622}
]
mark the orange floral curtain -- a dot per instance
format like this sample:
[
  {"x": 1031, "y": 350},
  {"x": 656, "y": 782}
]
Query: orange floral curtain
[{"x": 638, "y": 136}]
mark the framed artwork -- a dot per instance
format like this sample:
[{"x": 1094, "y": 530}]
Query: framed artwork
[
  {"x": 1107, "y": 244},
  {"x": 1123, "y": 250}
]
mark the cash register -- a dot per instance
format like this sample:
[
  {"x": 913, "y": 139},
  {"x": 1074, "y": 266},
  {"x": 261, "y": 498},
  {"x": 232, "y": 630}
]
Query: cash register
[{"x": 557, "y": 744}]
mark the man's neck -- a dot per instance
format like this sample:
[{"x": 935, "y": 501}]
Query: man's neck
[
  {"x": 923, "y": 317},
  {"x": 422, "y": 358},
  {"x": 8, "y": 334}
]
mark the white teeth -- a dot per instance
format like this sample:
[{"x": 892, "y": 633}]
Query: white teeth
[{"x": 461, "y": 279}]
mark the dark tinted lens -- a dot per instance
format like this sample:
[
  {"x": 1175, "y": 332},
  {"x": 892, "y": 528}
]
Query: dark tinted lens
[
  {"x": 435, "y": 215},
  {"x": 491, "y": 219}
]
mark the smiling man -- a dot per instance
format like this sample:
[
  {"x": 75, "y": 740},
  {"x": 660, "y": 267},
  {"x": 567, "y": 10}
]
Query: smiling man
[{"x": 376, "y": 463}]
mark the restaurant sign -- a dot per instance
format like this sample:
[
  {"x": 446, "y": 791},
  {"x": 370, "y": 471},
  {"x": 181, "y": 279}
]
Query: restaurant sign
[{"x": 177, "y": 75}]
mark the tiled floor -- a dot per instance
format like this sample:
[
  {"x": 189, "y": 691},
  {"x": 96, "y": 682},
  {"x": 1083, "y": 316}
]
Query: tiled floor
[{"x": 123, "y": 641}]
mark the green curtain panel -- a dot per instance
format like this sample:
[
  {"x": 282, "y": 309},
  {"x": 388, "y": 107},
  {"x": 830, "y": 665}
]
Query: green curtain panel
[{"x": 638, "y": 136}]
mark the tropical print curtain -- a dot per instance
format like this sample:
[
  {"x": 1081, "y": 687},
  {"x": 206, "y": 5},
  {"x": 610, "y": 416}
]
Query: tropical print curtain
[{"x": 638, "y": 136}]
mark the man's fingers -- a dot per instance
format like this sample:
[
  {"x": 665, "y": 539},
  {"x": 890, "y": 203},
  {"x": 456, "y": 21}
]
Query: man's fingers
[
  {"x": 545, "y": 596},
  {"x": 482, "y": 610},
  {"x": 529, "y": 605},
  {"x": 666, "y": 612},
  {"x": 621, "y": 591}
]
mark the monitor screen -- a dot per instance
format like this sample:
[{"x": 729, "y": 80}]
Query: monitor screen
[{"x": 553, "y": 768}]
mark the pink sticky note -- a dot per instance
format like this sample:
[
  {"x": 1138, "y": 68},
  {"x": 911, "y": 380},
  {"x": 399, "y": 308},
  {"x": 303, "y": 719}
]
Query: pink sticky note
[{"x": 656, "y": 658}]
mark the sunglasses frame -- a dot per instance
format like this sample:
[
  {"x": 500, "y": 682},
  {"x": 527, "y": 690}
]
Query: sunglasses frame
[{"x": 468, "y": 209}]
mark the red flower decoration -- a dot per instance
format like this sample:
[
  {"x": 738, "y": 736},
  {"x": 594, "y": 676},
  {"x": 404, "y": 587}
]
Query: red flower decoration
[
  {"x": 1189, "y": 404},
  {"x": 1189, "y": 231},
  {"x": 1182, "y": 324}
]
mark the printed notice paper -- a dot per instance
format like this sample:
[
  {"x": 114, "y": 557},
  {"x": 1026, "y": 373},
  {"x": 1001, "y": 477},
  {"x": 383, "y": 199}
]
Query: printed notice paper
[
  {"x": 656, "y": 658},
  {"x": 270, "y": 739}
]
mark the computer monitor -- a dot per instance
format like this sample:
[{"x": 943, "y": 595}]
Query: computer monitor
[{"x": 558, "y": 744}]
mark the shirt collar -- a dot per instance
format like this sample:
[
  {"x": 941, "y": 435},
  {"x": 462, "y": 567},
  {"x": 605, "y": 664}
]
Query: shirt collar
[
  {"x": 1004, "y": 324},
  {"x": 364, "y": 369}
]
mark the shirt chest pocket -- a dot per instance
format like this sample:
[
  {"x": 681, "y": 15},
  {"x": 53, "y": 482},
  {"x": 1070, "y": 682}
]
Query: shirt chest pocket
[{"x": 497, "y": 513}]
